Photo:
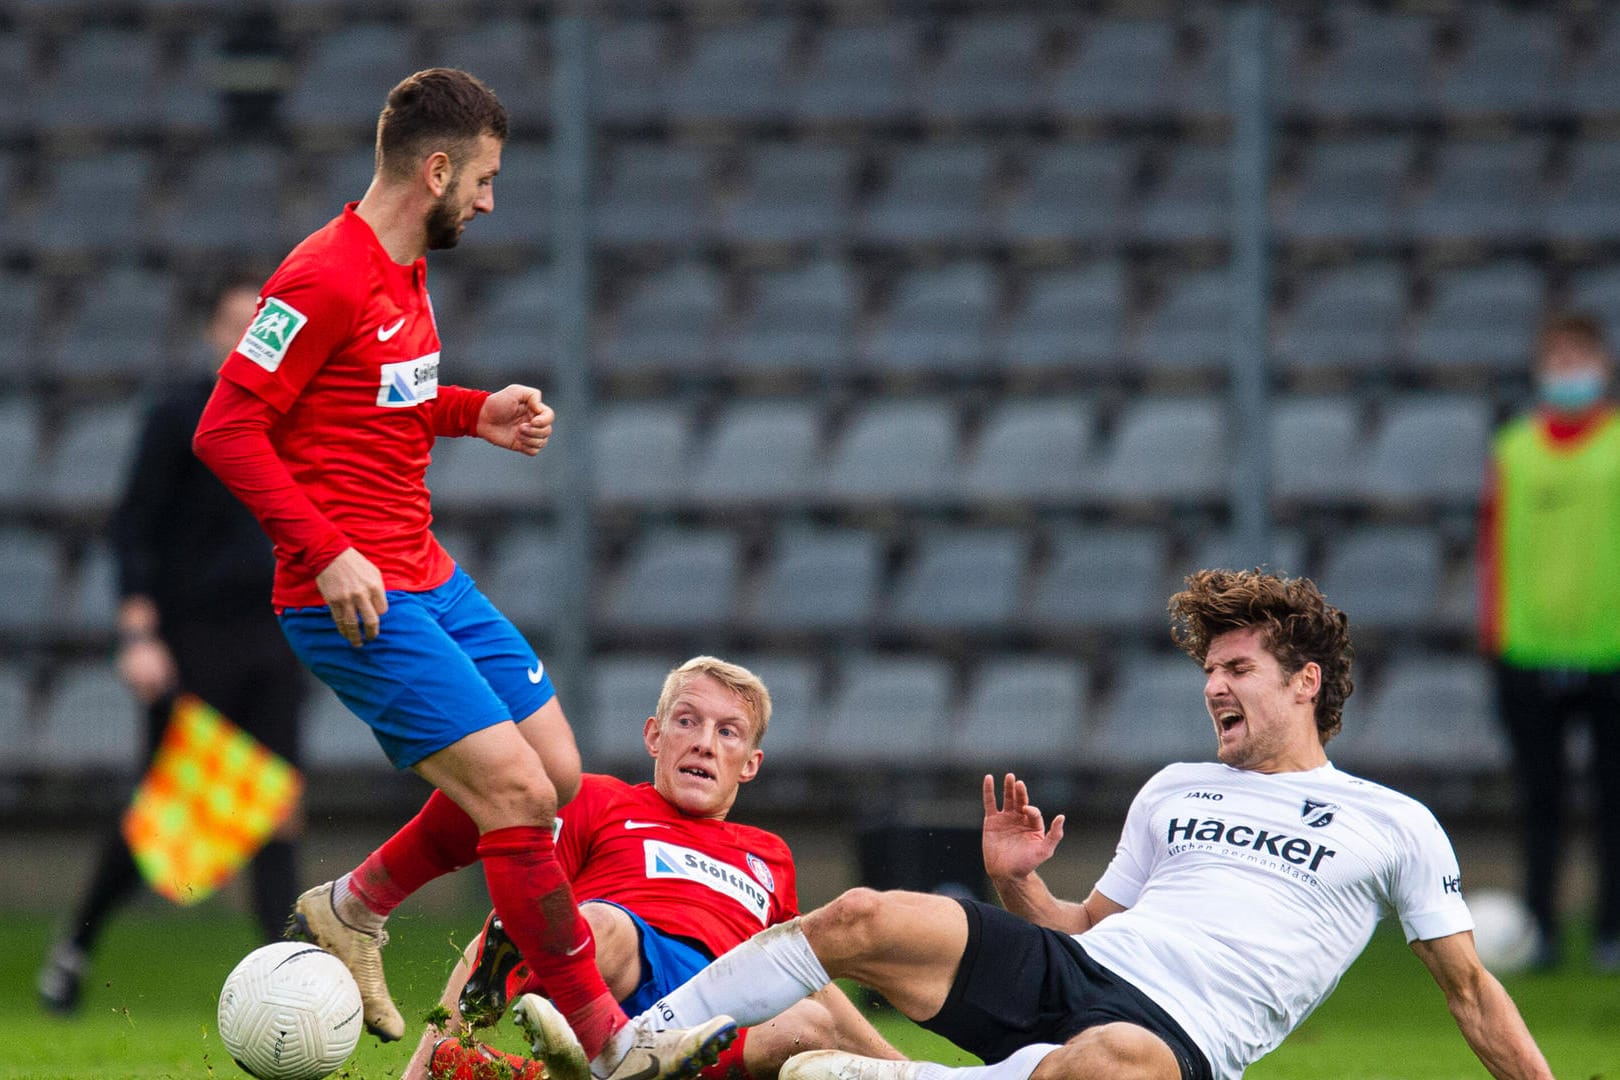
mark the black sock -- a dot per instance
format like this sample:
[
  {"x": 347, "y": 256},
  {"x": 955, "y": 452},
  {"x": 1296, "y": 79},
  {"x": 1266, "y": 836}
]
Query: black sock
[{"x": 275, "y": 886}]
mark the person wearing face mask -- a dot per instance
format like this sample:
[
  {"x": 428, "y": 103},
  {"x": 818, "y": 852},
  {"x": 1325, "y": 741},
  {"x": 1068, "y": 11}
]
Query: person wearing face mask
[{"x": 1550, "y": 593}]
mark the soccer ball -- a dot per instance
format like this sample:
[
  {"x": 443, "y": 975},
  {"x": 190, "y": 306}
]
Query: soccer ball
[
  {"x": 1504, "y": 933},
  {"x": 290, "y": 1011}
]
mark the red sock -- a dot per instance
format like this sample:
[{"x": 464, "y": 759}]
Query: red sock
[
  {"x": 439, "y": 839},
  {"x": 730, "y": 1065},
  {"x": 536, "y": 906}
]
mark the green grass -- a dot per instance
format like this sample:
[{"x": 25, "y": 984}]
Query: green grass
[{"x": 149, "y": 1009}]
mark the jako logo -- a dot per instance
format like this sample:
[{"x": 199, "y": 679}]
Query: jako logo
[{"x": 1293, "y": 849}]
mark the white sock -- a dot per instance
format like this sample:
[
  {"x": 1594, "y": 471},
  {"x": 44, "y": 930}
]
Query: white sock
[
  {"x": 752, "y": 983},
  {"x": 1017, "y": 1066},
  {"x": 352, "y": 910}
]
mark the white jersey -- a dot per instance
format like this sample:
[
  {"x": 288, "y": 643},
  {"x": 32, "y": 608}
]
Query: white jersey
[{"x": 1248, "y": 895}]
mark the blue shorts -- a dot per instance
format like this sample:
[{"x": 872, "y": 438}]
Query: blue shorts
[
  {"x": 445, "y": 664},
  {"x": 666, "y": 962}
]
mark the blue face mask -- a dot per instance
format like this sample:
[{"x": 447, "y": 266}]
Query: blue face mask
[{"x": 1571, "y": 392}]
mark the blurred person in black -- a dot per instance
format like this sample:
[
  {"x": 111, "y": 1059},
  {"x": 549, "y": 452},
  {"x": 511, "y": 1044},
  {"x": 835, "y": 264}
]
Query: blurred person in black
[{"x": 193, "y": 570}]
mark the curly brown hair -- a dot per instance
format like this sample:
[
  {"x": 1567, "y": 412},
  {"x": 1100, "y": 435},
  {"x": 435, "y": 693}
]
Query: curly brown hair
[{"x": 1297, "y": 623}]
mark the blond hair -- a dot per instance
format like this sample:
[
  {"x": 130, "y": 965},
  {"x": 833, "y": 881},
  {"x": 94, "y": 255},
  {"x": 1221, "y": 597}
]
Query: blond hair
[{"x": 734, "y": 677}]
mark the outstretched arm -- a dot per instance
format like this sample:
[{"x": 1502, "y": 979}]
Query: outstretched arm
[
  {"x": 1016, "y": 842},
  {"x": 1483, "y": 1010}
]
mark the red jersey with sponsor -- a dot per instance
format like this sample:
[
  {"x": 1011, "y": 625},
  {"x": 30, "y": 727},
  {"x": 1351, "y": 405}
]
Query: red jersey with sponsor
[
  {"x": 712, "y": 881},
  {"x": 345, "y": 350}
]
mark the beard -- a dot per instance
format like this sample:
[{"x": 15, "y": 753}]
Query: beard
[{"x": 444, "y": 224}]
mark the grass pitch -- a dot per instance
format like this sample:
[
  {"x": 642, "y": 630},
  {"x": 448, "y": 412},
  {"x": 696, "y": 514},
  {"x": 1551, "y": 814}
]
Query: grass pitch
[{"x": 148, "y": 1010}]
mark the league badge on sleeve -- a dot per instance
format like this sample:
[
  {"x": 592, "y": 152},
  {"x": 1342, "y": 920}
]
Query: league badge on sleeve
[{"x": 271, "y": 333}]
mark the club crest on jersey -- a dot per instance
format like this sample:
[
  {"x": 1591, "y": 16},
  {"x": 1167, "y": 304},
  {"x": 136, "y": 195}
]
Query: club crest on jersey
[
  {"x": 1317, "y": 814},
  {"x": 757, "y": 866},
  {"x": 271, "y": 333},
  {"x": 409, "y": 382}
]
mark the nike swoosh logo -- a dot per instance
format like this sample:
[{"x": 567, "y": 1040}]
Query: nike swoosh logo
[
  {"x": 630, "y": 824},
  {"x": 383, "y": 334},
  {"x": 577, "y": 949},
  {"x": 537, "y": 673}
]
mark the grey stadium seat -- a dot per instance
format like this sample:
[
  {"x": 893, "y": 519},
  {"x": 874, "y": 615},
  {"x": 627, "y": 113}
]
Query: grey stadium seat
[
  {"x": 1167, "y": 448},
  {"x": 1384, "y": 576},
  {"x": 1023, "y": 712},
  {"x": 1122, "y": 67},
  {"x": 1598, "y": 290},
  {"x": 762, "y": 450},
  {"x": 119, "y": 327},
  {"x": 989, "y": 70},
  {"x": 1349, "y": 190},
  {"x": 819, "y": 580},
  {"x": 1221, "y": 551},
  {"x": 341, "y": 178},
  {"x": 1510, "y": 64},
  {"x": 15, "y": 726},
  {"x": 16, "y": 110},
  {"x": 676, "y": 579},
  {"x": 1582, "y": 210},
  {"x": 1482, "y": 189},
  {"x": 469, "y": 475},
  {"x": 19, "y": 445},
  {"x": 668, "y": 322},
  {"x": 1592, "y": 82},
  {"x": 1067, "y": 319},
  {"x": 230, "y": 203},
  {"x": 30, "y": 579},
  {"x": 524, "y": 196},
  {"x": 21, "y": 313},
  {"x": 801, "y": 318},
  {"x": 797, "y": 705},
  {"x": 623, "y": 693},
  {"x": 347, "y": 75},
  {"x": 1481, "y": 318},
  {"x": 1072, "y": 192},
  {"x": 513, "y": 333},
  {"x": 861, "y": 72},
  {"x": 1316, "y": 449},
  {"x": 1346, "y": 317},
  {"x": 640, "y": 451},
  {"x": 1192, "y": 198},
  {"x": 1376, "y": 65},
  {"x": 888, "y": 711},
  {"x": 1101, "y": 579},
  {"x": 1157, "y": 715},
  {"x": 896, "y": 449},
  {"x": 117, "y": 183},
  {"x": 1429, "y": 447},
  {"x": 86, "y": 467},
  {"x": 796, "y": 193},
  {"x": 525, "y": 568},
  {"x": 335, "y": 738},
  {"x": 90, "y": 721},
  {"x": 736, "y": 72},
  {"x": 92, "y": 604},
  {"x": 939, "y": 320},
  {"x": 1036, "y": 449},
  {"x": 1191, "y": 327},
  {"x": 106, "y": 79},
  {"x": 1433, "y": 712},
  {"x": 632, "y": 70},
  {"x": 961, "y": 579},
  {"x": 935, "y": 193},
  {"x": 511, "y": 56},
  {"x": 653, "y": 194}
]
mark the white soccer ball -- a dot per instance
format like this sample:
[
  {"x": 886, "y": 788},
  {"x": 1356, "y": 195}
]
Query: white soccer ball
[
  {"x": 1504, "y": 932},
  {"x": 290, "y": 1011}
]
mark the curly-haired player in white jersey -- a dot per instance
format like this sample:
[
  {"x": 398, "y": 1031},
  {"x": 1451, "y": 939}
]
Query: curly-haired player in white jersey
[{"x": 1239, "y": 894}]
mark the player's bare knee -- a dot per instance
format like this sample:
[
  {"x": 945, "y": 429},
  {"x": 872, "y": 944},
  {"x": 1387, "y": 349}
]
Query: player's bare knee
[
  {"x": 1118, "y": 1051},
  {"x": 515, "y": 796},
  {"x": 847, "y": 927}
]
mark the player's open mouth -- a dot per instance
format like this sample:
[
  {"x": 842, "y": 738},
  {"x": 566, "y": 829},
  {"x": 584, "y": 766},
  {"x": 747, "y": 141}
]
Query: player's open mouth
[
  {"x": 693, "y": 770},
  {"x": 1228, "y": 721}
]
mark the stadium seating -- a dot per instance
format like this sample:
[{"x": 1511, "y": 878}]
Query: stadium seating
[
  {"x": 676, "y": 580},
  {"x": 1072, "y": 191},
  {"x": 335, "y": 738},
  {"x": 800, "y": 319},
  {"x": 1068, "y": 319},
  {"x": 988, "y": 71},
  {"x": 796, "y": 193},
  {"x": 886, "y": 709},
  {"x": 30, "y": 577},
  {"x": 820, "y": 580},
  {"x": 1156, "y": 715},
  {"x": 623, "y": 692},
  {"x": 1101, "y": 580},
  {"x": 901, "y": 449},
  {"x": 939, "y": 320},
  {"x": 935, "y": 194},
  {"x": 1023, "y": 713},
  {"x": 91, "y": 721},
  {"x": 1345, "y": 317},
  {"x": 1032, "y": 450},
  {"x": 762, "y": 450},
  {"x": 961, "y": 579}
]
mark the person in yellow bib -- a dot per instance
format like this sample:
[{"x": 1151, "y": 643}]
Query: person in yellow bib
[{"x": 1550, "y": 611}]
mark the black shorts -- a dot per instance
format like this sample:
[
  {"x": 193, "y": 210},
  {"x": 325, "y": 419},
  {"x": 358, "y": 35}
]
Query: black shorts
[{"x": 1019, "y": 983}]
